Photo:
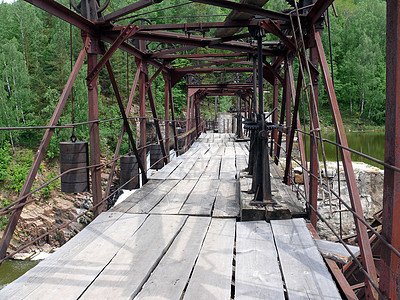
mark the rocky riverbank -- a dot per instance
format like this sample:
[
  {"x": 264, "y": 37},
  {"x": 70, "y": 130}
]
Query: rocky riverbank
[
  {"x": 39, "y": 217},
  {"x": 370, "y": 184}
]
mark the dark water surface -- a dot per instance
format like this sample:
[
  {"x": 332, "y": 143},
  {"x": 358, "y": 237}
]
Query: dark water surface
[
  {"x": 371, "y": 143},
  {"x": 12, "y": 269}
]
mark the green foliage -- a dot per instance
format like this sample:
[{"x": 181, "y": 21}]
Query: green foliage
[
  {"x": 22, "y": 162},
  {"x": 45, "y": 191},
  {"x": 5, "y": 160},
  {"x": 358, "y": 39}
]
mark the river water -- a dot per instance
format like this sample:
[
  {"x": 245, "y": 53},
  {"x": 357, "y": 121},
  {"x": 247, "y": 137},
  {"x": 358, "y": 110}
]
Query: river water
[
  {"x": 12, "y": 269},
  {"x": 371, "y": 143}
]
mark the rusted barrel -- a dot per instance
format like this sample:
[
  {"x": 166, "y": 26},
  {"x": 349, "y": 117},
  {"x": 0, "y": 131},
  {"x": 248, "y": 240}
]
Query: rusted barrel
[
  {"x": 181, "y": 141},
  {"x": 156, "y": 157},
  {"x": 129, "y": 170},
  {"x": 72, "y": 156}
]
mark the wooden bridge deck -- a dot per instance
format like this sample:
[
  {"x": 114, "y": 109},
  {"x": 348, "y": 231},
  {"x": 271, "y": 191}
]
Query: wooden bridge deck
[{"x": 178, "y": 237}]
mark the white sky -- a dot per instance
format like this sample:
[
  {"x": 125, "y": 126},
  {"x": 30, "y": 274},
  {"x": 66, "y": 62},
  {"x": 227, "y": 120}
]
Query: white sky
[{"x": 8, "y": 1}]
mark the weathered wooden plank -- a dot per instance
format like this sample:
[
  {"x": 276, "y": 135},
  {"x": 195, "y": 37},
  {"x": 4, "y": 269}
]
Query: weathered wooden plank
[
  {"x": 152, "y": 199},
  {"x": 183, "y": 169},
  {"x": 174, "y": 200},
  {"x": 72, "y": 279},
  {"x": 227, "y": 201},
  {"x": 172, "y": 274},
  {"x": 257, "y": 273},
  {"x": 239, "y": 149},
  {"x": 168, "y": 169},
  {"x": 141, "y": 193},
  {"x": 285, "y": 196},
  {"x": 32, "y": 279},
  {"x": 241, "y": 163},
  {"x": 229, "y": 150},
  {"x": 212, "y": 274},
  {"x": 198, "y": 169},
  {"x": 215, "y": 150},
  {"x": 228, "y": 168},
  {"x": 213, "y": 167},
  {"x": 201, "y": 199},
  {"x": 304, "y": 271},
  {"x": 125, "y": 275},
  {"x": 336, "y": 251}
]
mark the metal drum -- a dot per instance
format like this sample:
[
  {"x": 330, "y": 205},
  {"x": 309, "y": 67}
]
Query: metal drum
[
  {"x": 156, "y": 157},
  {"x": 129, "y": 169},
  {"x": 72, "y": 156},
  {"x": 181, "y": 141}
]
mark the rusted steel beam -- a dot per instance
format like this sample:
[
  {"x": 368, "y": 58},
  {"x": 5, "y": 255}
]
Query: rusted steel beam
[
  {"x": 211, "y": 70},
  {"x": 251, "y": 9},
  {"x": 127, "y": 32},
  {"x": 229, "y": 38},
  {"x": 275, "y": 104},
  {"x": 156, "y": 121},
  {"x": 129, "y": 9},
  {"x": 188, "y": 119},
  {"x": 148, "y": 83},
  {"x": 303, "y": 157},
  {"x": 198, "y": 26},
  {"x": 314, "y": 146},
  {"x": 363, "y": 239},
  {"x": 216, "y": 63},
  {"x": 142, "y": 114},
  {"x": 273, "y": 72},
  {"x": 202, "y": 55},
  {"x": 278, "y": 144},
  {"x": 178, "y": 38},
  {"x": 390, "y": 273},
  {"x": 171, "y": 105},
  {"x": 221, "y": 86},
  {"x": 125, "y": 119},
  {"x": 94, "y": 132},
  {"x": 165, "y": 53},
  {"x": 138, "y": 53},
  {"x": 318, "y": 10},
  {"x": 289, "y": 142},
  {"x": 288, "y": 98},
  {"x": 60, "y": 11},
  {"x": 121, "y": 134},
  {"x": 272, "y": 27},
  {"x": 41, "y": 152},
  {"x": 166, "y": 116}
]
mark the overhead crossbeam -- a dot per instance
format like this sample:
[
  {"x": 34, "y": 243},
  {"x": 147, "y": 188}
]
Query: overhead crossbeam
[
  {"x": 129, "y": 9},
  {"x": 252, "y": 9},
  {"x": 60, "y": 11}
]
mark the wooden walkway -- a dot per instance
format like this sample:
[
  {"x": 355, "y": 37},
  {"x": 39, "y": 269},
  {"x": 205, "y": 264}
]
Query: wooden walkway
[{"x": 178, "y": 238}]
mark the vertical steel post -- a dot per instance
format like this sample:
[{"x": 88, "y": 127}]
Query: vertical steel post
[
  {"x": 142, "y": 117},
  {"x": 166, "y": 116},
  {"x": 288, "y": 93},
  {"x": 275, "y": 103},
  {"x": 121, "y": 134},
  {"x": 188, "y": 111},
  {"x": 94, "y": 132},
  {"x": 314, "y": 167},
  {"x": 171, "y": 105},
  {"x": 390, "y": 263},
  {"x": 362, "y": 234}
]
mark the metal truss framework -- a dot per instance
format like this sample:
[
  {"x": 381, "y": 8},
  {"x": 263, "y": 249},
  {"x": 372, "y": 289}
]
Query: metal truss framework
[{"x": 299, "y": 34}]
